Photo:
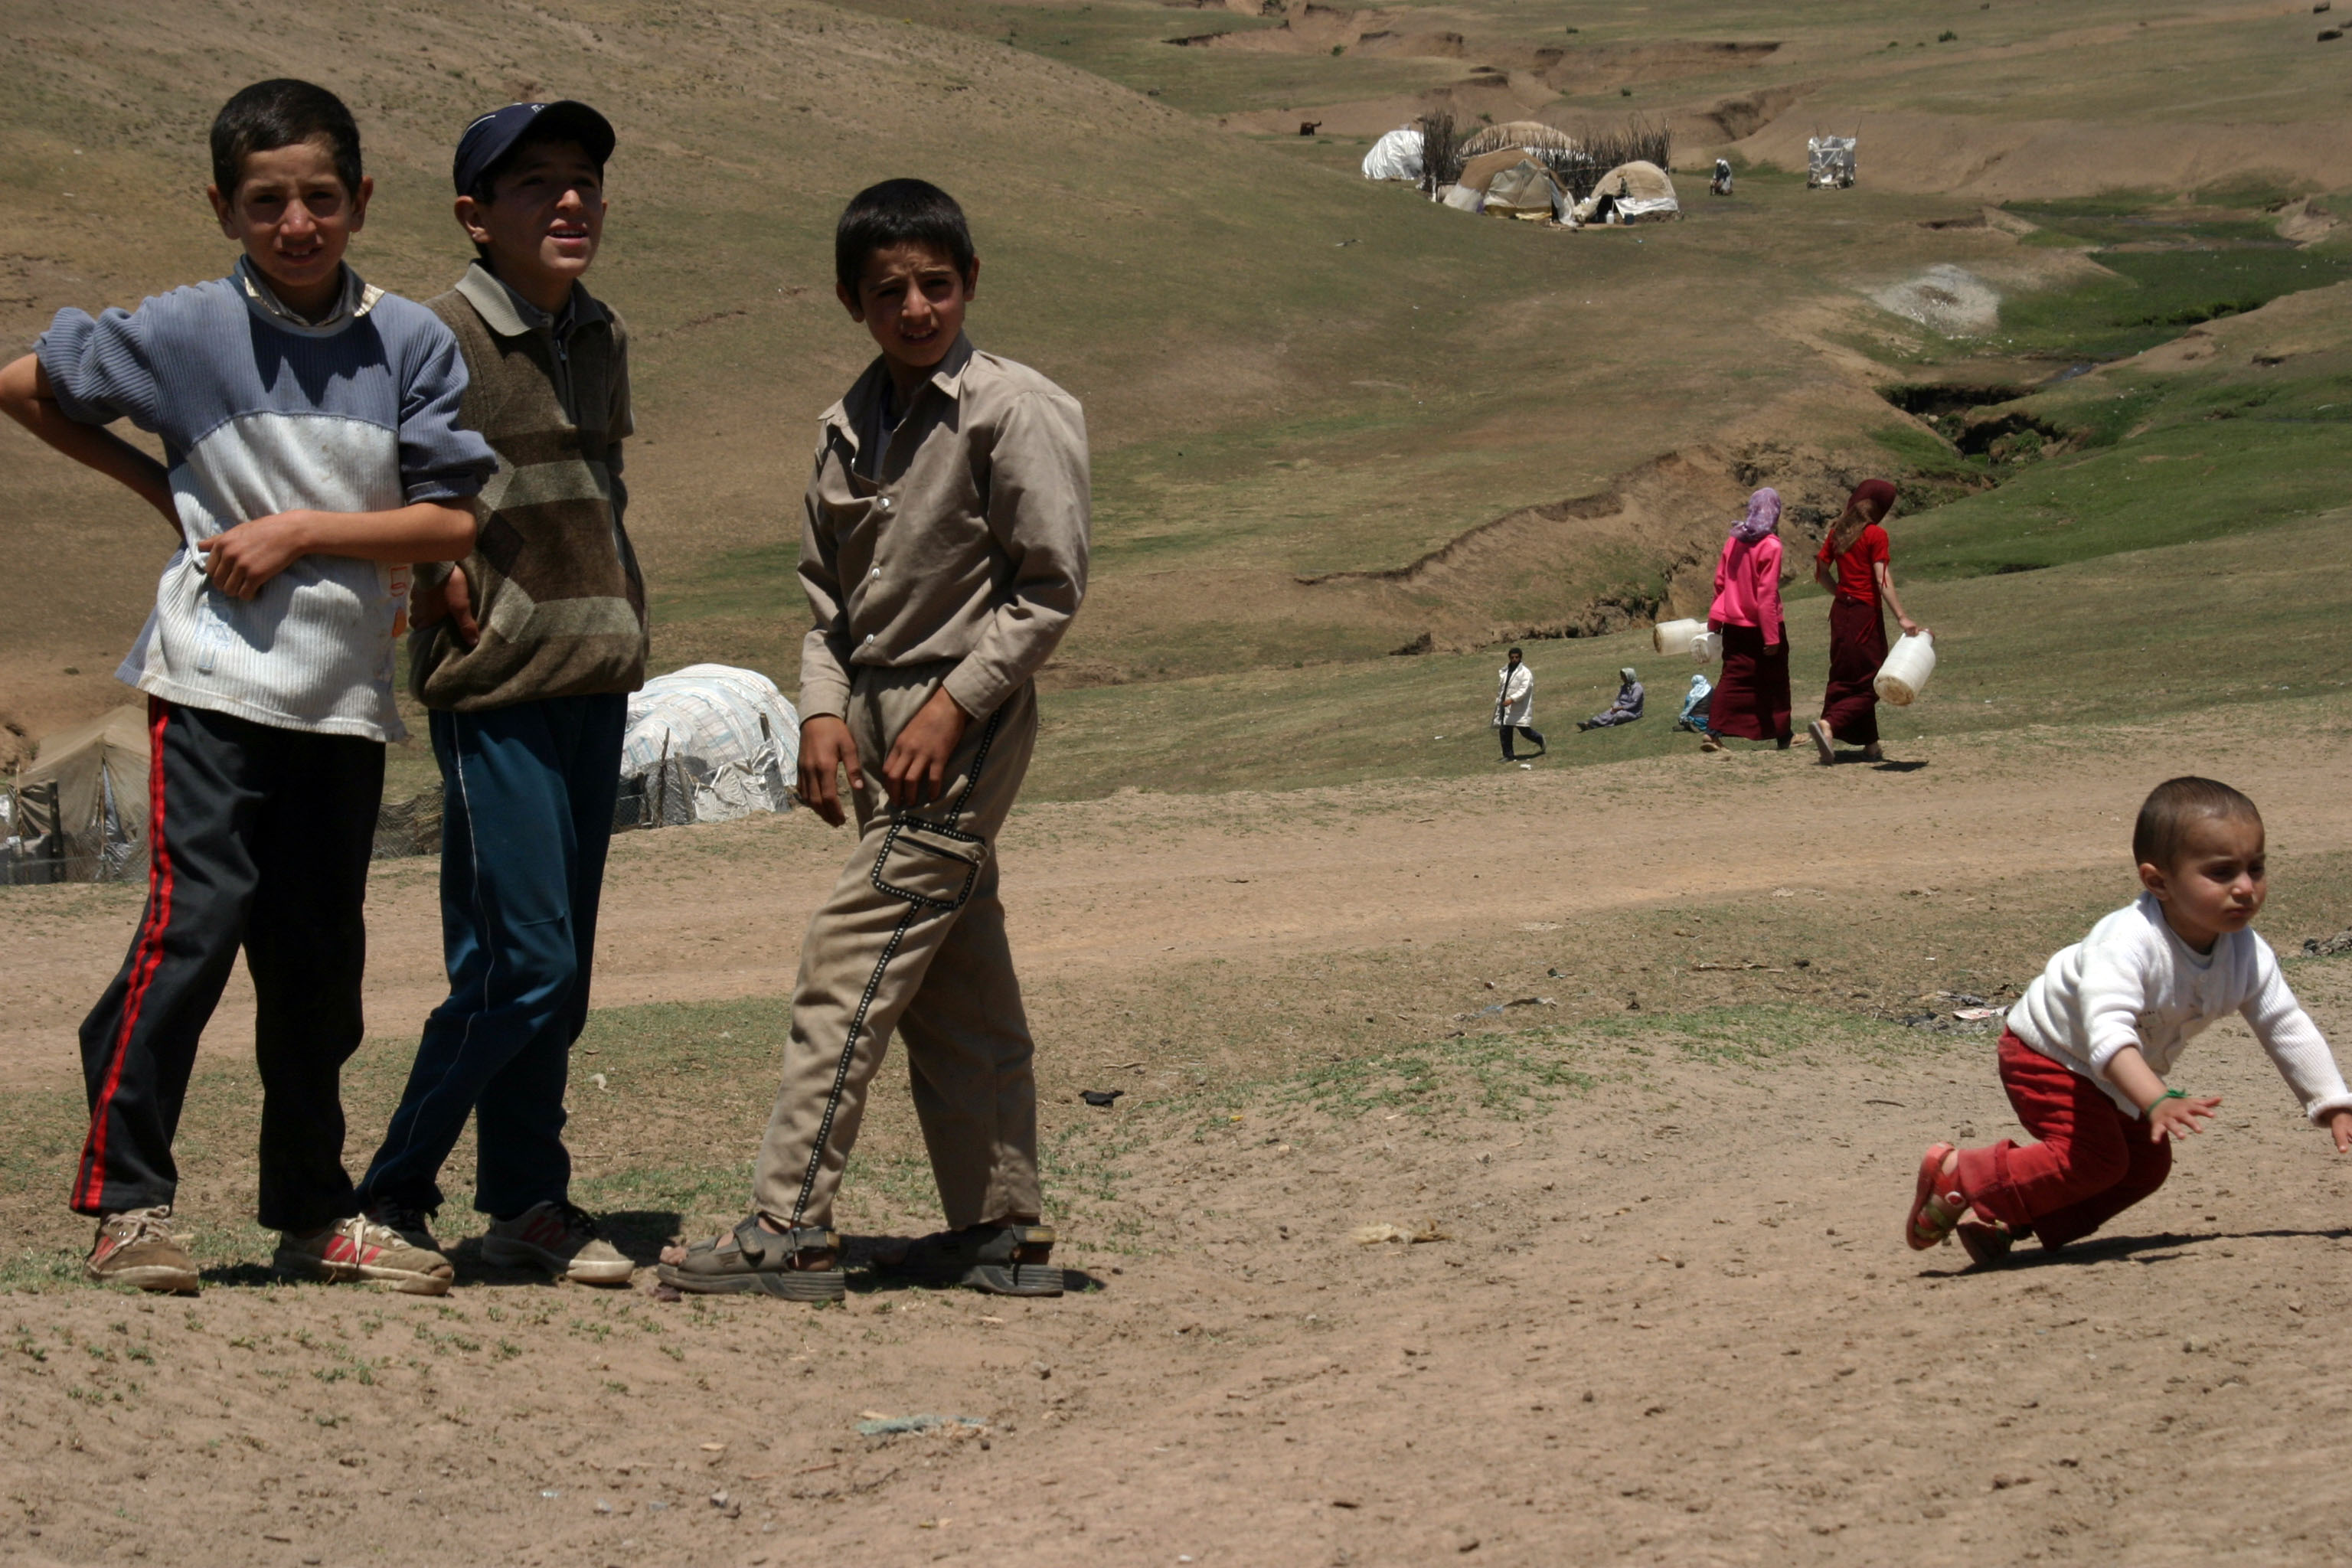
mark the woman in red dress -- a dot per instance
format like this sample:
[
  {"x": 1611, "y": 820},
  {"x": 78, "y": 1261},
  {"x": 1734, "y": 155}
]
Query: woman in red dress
[
  {"x": 1751, "y": 700},
  {"x": 1852, "y": 565}
]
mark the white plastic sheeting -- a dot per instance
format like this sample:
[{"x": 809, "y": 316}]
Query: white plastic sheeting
[
  {"x": 1828, "y": 162},
  {"x": 708, "y": 743},
  {"x": 1395, "y": 156}
]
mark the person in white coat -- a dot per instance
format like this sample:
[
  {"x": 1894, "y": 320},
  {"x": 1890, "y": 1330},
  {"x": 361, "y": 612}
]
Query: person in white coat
[{"x": 1514, "y": 707}]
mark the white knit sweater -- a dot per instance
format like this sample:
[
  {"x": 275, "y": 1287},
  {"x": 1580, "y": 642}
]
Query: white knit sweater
[{"x": 2133, "y": 982}]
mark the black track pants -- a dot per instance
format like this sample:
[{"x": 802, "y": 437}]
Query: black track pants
[{"x": 258, "y": 837}]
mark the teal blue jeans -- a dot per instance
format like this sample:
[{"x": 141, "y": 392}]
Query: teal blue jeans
[{"x": 528, "y": 795}]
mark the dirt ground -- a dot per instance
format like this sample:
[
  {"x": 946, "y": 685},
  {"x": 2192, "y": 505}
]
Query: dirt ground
[{"x": 1661, "y": 1314}]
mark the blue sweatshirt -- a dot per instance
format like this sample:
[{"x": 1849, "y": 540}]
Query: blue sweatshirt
[{"x": 262, "y": 413}]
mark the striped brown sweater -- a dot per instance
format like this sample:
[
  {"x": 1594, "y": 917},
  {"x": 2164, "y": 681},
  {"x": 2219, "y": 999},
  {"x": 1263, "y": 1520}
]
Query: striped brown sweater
[{"x": 555, "y": 585}]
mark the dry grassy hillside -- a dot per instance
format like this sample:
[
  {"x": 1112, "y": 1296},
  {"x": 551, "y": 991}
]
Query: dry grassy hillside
[{"x": 1328, "y": 419}]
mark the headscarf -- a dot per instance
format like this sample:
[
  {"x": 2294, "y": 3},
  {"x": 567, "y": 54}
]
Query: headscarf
[
  {"x": 1871, "y": 501},
  {"x": 1763, "y": 516},
  {"x": 1626, "y": 675}
]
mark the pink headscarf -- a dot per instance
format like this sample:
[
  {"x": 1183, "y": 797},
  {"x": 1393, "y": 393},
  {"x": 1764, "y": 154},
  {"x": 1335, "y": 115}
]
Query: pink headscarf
[{"x": 1763, "y": 516}]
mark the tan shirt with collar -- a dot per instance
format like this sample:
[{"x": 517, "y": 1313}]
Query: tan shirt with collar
[{"x": 968, "y": 542}]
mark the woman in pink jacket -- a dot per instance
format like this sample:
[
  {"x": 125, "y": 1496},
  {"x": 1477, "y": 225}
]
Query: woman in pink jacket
[{"x": 1751, "y": 700}]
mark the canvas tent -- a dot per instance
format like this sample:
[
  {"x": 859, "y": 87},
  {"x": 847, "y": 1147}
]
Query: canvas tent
[
  {"x": 1395, "y": 156},
  {"x": 707, "y": 744},
  {"x": 1631, "y": 192},
  {"x": 78, "y": 810},
  {"x": 1525, "y": 190},
  {"x": 1507, "y": 183},
  {"x": 1828, "y": 162}
]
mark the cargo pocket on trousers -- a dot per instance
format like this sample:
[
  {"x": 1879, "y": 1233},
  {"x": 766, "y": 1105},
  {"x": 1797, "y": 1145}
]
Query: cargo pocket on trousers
[{"x": 929, "y": 865}]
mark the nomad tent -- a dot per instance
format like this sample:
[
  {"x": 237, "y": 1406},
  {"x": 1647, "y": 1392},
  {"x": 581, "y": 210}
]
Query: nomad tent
[
  {"x": 1525, "y": 190},
  {"x": 1507, "y": 183},
  {"x": 1828, "y": 162},
  {"x": 1631, "y": 192},
  {"x": 709, "y": 743},
  {"x": 1395, "y": 156},
  {"x": 80, "y": 808}
]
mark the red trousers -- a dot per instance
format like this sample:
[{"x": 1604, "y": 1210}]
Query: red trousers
[{"x": 2093, "y": 1160}]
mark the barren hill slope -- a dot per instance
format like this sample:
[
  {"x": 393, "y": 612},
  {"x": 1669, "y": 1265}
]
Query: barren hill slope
[{"x": 1299, "y": 384}]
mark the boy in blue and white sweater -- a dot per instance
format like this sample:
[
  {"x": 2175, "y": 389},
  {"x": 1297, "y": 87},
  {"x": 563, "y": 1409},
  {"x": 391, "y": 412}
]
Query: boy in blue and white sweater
[{"x": 312, "y": 453}]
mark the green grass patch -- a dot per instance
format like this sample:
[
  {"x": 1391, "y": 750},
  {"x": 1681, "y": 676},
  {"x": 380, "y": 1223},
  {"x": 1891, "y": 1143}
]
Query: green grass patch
[{"x": 2157, "y": 294}]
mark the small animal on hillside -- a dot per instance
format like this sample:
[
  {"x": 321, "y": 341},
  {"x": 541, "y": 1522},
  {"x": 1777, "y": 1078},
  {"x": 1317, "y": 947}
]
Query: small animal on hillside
[{"x": 1721, "y": 185}]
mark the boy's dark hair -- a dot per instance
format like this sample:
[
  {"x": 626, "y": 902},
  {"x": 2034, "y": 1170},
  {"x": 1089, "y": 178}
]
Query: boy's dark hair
[
  {"x": 282, "y": 112},
  {"x": 2162, "y": 830},
  {"x": 899, "y": 212},
  {"x": 1521, "y": 654}
]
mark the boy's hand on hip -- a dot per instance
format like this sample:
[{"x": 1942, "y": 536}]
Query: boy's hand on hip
[
  {"x": 826, "y": 749},
  {"x": 242, "y": 560},
  {"x": 918, "y": 765},
  {"x": 2179, "y": 1118},
  {"x": 2339, "y": 1127}
]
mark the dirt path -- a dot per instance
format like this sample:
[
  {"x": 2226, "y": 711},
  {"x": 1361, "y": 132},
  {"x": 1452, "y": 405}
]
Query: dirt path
[
  {"x": 1669, "y": 1321},
  {"x": 1104, "y": 886},
  {"x": 1663, "y": 1314}
]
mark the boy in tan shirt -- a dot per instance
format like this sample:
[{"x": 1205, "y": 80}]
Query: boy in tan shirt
[{"x": 944, "y": 553}]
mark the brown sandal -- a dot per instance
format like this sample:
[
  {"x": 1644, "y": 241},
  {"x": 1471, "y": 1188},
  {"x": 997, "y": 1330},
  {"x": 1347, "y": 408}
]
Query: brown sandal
[{"x": 801, "y": 1265}]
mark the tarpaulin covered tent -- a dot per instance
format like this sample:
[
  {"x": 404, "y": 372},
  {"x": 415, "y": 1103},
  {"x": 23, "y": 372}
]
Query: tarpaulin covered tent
[
  {"x": 1631, "y": 192},
  {"x": 1395, "y": 156},
  {"x": 708, "y": 743},
  {"x": 1828, "y": 162},
  {"x": 1508, "y": 183},
  {"x": 1525, "y": 190},
  {"x": 80, "y": 808}
]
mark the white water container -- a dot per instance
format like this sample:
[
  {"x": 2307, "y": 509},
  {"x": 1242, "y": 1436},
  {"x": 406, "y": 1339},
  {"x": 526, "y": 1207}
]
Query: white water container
[
  {"x": 1908, "y": 664},
  {"x": 1671, "y": 637}
]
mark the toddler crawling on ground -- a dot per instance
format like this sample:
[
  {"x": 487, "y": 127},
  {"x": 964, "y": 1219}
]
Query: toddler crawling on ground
[{"x": 2087, "y": 1046}]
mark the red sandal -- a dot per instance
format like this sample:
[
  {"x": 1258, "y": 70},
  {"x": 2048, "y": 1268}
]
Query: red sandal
[{"x": 1938, "y": 1204}]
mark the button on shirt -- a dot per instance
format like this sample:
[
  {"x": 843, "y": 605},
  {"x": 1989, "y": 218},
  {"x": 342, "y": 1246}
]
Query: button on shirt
[{"x": 962, "y": 538}]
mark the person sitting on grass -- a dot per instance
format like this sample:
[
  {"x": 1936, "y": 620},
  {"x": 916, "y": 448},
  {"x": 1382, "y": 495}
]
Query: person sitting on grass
[
  {"x": 1697, "y": 703},
  {"x": 312, "y": 453},
  {"x": 1624, "y": 710},
  {"x": 525, "y": 655},
  {"x": 1514, "y": 705},
  {"x": 943, "y": 548},
  {"x": 2087, "y": 1046}
]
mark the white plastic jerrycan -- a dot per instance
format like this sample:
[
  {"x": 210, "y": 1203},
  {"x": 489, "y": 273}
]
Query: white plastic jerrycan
[
  {"x": 1908, "y": 664},
  {"x": 1672, "y": 637}
]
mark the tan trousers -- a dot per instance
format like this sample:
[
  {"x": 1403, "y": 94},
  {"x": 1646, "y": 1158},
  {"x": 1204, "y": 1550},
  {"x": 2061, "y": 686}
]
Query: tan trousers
[{"x": 912, "y": 940}]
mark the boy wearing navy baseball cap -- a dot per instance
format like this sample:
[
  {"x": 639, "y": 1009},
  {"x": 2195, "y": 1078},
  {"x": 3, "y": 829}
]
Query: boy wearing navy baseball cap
[{"x": 525, "y": 655}]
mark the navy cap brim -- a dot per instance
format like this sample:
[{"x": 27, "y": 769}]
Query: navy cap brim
[{"x": 494, "y": 135}]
